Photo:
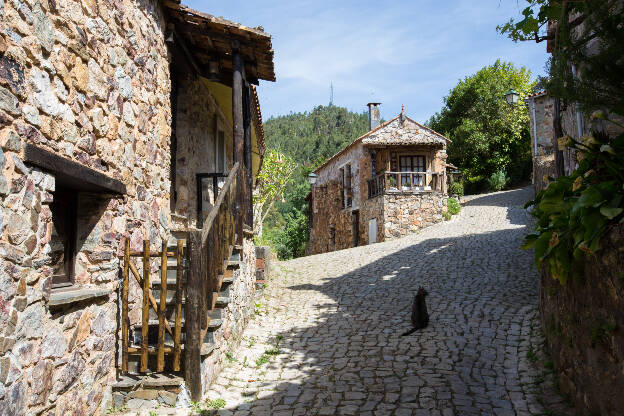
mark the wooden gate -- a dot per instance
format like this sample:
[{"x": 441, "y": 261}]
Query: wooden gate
[{"x": 148, "y": 301}]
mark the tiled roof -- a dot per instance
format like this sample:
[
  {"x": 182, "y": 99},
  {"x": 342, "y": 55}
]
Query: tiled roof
[
  {"x": 419, "y": 134},
  {"x": 398, "y": 134},
  {"x": 536, "y": 94}
]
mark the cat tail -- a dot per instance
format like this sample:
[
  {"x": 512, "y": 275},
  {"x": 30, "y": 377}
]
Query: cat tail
[{"x": 411, "y": 331}]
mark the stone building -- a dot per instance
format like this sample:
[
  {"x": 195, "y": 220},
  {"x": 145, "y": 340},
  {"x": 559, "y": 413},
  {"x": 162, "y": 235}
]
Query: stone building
[
  {"x": 125, "y": 127},
  {"x": 389, "y": 182}
]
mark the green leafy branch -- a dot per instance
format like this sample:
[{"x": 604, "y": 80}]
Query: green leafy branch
[{"x": 575, "y": 211}]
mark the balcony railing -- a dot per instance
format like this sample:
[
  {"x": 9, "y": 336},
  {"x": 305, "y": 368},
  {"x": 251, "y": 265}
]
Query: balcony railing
[{"x": 413, "y": 182}]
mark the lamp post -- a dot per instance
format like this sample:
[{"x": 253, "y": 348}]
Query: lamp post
[{"x": 512, "y": 97}]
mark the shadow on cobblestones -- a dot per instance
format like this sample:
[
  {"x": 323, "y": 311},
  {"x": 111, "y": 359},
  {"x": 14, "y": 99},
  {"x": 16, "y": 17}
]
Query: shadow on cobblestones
[{"x": 337, "y": 318}]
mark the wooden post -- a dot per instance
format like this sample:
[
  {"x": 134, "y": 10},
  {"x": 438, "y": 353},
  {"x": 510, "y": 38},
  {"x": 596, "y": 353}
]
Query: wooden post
[
  {"x": 160, "y": 359},
  {"x": 177, "y": 331},
  {"x": 248, "y": 163},
  {"x": 237, "y": 117},
  {"x": 145, "y": 311},
  {"x": 192, "y": 315},
  {"x": 124, "y": 307}
]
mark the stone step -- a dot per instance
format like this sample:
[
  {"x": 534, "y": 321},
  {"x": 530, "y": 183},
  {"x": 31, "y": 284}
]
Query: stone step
[{"x": 154, "y": 380}]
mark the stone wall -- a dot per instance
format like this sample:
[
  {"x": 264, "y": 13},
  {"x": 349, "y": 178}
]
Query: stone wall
[
  {"x": 88, "y": 81},
  {"x": 583, "y": 322},
  {"x": 406, "y": 213},
  {"x": 198, "y": 121},
  {"x": 543, "y": 161},
  {"x": 332, "y": 225},
  {"x": 235, "y": 316}
]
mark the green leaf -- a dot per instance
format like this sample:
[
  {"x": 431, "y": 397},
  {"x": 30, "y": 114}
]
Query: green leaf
[
  {"x": 605, "y": 148},
  {"x": 611, "y": 213},
  {"x": 590, "y": 197}
]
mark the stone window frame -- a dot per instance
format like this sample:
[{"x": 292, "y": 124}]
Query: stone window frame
[{"x": 79, "y": 179}]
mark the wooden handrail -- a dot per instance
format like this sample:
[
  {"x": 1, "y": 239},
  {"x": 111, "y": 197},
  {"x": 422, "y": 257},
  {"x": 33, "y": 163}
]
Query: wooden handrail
[
  {"x": 210, "y": 250},
  {"x": 215, "y": 210}
]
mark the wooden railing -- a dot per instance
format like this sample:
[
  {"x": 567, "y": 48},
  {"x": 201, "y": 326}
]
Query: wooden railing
[
  {"x": 210, "y": 250},
  {"x": 406, "y": 182},
  {"x": 376, "y": 185},
  {"x": 148, "y": 301}
]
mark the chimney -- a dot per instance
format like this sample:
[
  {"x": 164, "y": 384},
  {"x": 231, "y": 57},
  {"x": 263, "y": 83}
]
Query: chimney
[{"x": 373, "y": 115}]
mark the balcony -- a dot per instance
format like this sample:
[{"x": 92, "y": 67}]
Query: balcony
[{"x": 405, "y": 182}]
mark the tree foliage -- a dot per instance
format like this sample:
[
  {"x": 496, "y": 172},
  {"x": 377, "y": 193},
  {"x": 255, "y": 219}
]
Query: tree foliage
[
  {"x": 319, "y": 134},
  {"x": 276, "y": 173},
  {"x": 308, "y": 139},
  {"x": 589, "y": 34},
  {"x": 487, "y": 134}
]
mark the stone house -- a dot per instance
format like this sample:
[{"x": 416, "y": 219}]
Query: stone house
[
  {"x": 127, "y": 129},
  {"x": 389, "y": 182},
  {"x": 544, "y": 145}
]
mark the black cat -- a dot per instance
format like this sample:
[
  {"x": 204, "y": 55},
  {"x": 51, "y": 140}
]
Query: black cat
[{"x": 420, "y": 316}]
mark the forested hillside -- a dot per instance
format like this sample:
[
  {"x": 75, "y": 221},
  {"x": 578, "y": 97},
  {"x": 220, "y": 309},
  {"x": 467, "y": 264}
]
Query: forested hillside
[
  {"x": 312, "y": 136},
  {"x": 308, "y": 138}
]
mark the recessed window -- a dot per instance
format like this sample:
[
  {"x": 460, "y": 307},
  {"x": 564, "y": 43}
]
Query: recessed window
[
  {"x": 63, "y": 236},
  {"x": 348, "y": 186}
]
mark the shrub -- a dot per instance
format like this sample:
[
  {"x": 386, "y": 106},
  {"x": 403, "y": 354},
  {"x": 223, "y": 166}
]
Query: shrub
[
  {"x": 453, "y": 206},
  {"x": 446, "y": 216},
  {"x": 475, "y": 185},
  {"x": 456, "y": 188},
  {"x": 498, "y": 180}
]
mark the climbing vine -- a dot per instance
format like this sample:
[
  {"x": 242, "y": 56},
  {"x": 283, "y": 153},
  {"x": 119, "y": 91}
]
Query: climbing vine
[{"x": 574, "y": 211}]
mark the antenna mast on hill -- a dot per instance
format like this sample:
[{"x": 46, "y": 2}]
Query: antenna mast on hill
[{"x": 331, "y": 93}]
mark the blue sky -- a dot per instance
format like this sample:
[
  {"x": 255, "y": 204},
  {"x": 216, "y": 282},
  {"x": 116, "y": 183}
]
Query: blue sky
[{"x": 395, "y": 52}]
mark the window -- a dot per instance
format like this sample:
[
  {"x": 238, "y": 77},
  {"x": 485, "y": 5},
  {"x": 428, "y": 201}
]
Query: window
[
  {"x": 342, "y": 188},
  {"x": 63, "y": 236},
  {"x": 349, "y": 190},
  {"x": 412, "y": 164}
]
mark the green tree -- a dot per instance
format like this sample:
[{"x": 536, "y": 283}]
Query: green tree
[
  {"x": 487, "y": 134},
  {"x": 275, "y": 175},
  {"x": 308, "y": 139},
  {"x": 588, "y": 34}
]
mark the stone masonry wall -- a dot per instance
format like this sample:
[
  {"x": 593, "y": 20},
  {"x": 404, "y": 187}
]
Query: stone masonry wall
[
  {"x": 407, "y": 213},
  {"x": 235, "y": 316},
  {"x": 88, "y": 81},
  {"x": 327, "y": 216},
  {"x": 583, "y": 323},
  {"x": 195, "y": 131}
]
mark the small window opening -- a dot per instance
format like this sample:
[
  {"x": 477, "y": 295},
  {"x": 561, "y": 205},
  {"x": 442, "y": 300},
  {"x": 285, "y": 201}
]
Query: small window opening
[
  {"x": 349, "y": 189},
  {"x": 63, "y": 236}
]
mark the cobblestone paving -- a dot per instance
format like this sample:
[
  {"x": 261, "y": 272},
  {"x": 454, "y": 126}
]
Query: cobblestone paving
[{"x": 326, "y": 336}]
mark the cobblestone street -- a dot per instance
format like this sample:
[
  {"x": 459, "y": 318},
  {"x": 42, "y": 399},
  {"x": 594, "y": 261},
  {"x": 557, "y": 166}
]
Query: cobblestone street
[{"x": 326, "y": 337}]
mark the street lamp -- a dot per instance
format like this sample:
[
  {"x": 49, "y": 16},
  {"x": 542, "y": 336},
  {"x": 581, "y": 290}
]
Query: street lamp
[
  {"x": 312, "y": 178},
  {"x": 512, "y": 97}
]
